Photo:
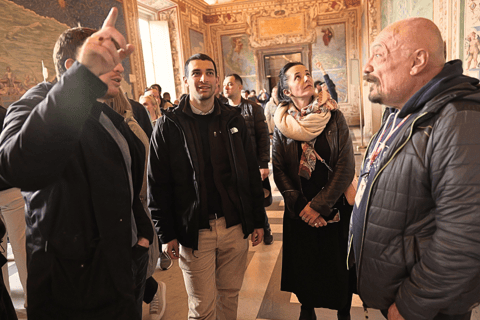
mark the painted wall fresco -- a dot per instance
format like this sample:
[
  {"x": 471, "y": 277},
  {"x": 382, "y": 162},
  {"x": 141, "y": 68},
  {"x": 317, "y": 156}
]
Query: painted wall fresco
[
  {"x": 239, "y": 58},
  {"x": 31, "y": 29},
  {"x": 394, "y": 10},
  {"x": 197, "y": 42},
  {"x": 471, "y": 41},
  {"x": 330, "y": 50}
]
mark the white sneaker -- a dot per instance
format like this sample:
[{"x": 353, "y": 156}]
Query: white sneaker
[
  {"x": 165, "y": 262},
  {"x": 158, "y": 304}
]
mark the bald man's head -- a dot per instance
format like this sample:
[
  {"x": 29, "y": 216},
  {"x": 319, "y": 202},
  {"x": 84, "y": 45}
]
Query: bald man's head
[{"x": 405, "y": 56}]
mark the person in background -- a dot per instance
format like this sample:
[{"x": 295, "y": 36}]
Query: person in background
[
  {"x": 328, "y": 84},
  {"x": 206, "y": 193},
  {"x": 263, "y": 98},
  {"x": 245, "y": 94},
  {"x": 152, "y": 107},
  {"x": 166, "y": 97},
  {"x": 270, "y": 109},
  {"x": 416, "y": 225},
  {"x": 142, "y": 116},
  {"x": 156, "y": 91},
  {"x": 258, "y": 132},
  {"x": 219, "y": 94},
  {"x": 252, "y": 96},
  {"x": 80, "y": 169},
  {"x": 313, "y": 165}
]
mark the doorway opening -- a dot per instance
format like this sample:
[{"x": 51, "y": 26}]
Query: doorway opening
[{"x": 274, "y": 63}]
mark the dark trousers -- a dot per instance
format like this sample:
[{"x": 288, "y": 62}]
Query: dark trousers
[
  {"x": 7, "y": 311},
  {"x": 139, "y": 268},
  {"x": 151, "y": 287},
  {"x": 441, "y": 316}
]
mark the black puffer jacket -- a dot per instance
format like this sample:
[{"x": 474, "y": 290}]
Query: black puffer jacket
[
  {"x": 257, "y": 129},
  {"x": 176, "y": 187},
  {"x": 286, "y": 163},
  {"x": 421, "y": 235}
]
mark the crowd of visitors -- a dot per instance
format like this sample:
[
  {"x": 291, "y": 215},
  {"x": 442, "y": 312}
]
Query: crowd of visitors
[{"x": 97, "y": 191}]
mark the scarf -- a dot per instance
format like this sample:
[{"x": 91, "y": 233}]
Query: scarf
[{"x": 305, "y": 125}]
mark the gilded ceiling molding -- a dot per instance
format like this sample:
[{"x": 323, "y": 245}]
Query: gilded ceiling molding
[
  {"x": 137, "y": 77},
  {"x": 280, "y": 26},
  {"x": 171, "y": 16}
]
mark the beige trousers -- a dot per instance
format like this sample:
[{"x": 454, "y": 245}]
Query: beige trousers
[
  {"x": 214, "y": 274},
  {"x": 12, "y": 211}
]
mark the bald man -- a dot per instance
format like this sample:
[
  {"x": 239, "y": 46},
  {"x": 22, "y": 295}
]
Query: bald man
[{"x": 415, "y": 228}]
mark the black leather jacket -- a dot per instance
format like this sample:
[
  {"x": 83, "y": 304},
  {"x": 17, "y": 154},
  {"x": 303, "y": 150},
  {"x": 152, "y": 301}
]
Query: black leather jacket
[
  {"x": 257, "y": 129},
  {"x": 286, "y": 163},
  {"x": 174, "y": 173}
]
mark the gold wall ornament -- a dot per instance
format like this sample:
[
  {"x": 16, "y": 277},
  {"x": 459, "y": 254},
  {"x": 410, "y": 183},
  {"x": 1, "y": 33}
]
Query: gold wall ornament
[
  {"x": 171, "y": 16},
  {"x": 137, "y": 65},
  {"x": 280, "y": 25}
]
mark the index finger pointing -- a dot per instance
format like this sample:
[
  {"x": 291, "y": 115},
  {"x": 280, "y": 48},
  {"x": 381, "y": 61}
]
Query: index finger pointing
[{"x": 111, "y": 18}]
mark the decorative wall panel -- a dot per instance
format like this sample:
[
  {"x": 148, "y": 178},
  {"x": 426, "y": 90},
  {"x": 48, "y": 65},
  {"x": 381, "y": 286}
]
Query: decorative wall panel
[
  {"x": 197, "y": 42},
  {"x": 239, "y": 58},
  {"x": 330, "y": 50}
]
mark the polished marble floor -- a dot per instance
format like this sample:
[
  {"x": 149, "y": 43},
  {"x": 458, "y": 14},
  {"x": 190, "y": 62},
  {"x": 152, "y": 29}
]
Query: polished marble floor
[{"x": 260, "y": 297}]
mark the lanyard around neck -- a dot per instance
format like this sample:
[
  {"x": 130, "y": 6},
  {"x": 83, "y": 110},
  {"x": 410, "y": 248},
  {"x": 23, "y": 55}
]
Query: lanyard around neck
[{"x": 380, "y": 145}]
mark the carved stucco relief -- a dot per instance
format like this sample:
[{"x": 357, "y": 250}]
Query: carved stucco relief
[
  {"x": 133, "y": 37},
  {"x": 446, "y": 15},
  {"x": 171, "y": 16},
  {"x": 374, "y": 21}
]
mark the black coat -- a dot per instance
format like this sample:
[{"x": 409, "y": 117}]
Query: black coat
[
  {"x": 175, "y": 173},
  {"x": 78, "y": 199},
  {"x": 257, "y": 130},
  {"x": 314, "y": 260}
]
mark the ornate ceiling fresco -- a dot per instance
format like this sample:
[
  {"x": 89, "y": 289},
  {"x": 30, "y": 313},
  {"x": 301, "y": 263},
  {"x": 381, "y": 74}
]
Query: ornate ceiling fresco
[
  {"x": 162, "y": 4},
  {"x": 158, "y": 4}
]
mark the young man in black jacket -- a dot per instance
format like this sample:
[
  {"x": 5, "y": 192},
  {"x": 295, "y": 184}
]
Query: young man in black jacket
[
  {"x": 80, "y": 169},
  {"x": 257, "y": 130},
  {"x": 206, "y": 193}
]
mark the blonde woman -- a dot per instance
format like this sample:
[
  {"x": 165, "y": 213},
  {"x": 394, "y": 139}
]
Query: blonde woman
[
  {"x": 154, "y": 292},
  {"x": 152, "y": 107}
]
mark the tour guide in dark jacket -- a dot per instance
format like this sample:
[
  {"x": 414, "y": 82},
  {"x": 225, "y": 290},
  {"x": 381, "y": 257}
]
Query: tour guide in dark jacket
[
  {"x": 418, "y": 243},
  {"x": 78, "y": 199},
  {"x": 177, "y": 188}
]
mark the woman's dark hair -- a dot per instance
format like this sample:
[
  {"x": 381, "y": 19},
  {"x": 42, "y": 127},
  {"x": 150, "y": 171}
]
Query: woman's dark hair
[{"x": 282, "y": 82}]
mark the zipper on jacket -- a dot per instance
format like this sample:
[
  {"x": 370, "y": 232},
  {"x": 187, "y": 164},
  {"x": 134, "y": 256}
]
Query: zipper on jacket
[
  {"x": 369, "y": 194},
  {"x": 191, "y": 164}
]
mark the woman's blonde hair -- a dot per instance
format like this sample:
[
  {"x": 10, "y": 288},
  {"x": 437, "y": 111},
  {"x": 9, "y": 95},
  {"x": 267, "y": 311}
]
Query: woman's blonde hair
[
  {"x": 158, "y": 113},
  {"x": 120, "y": 104}
]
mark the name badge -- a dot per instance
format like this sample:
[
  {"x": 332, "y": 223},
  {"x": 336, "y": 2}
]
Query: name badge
[{"x": 360, "y": 191}]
